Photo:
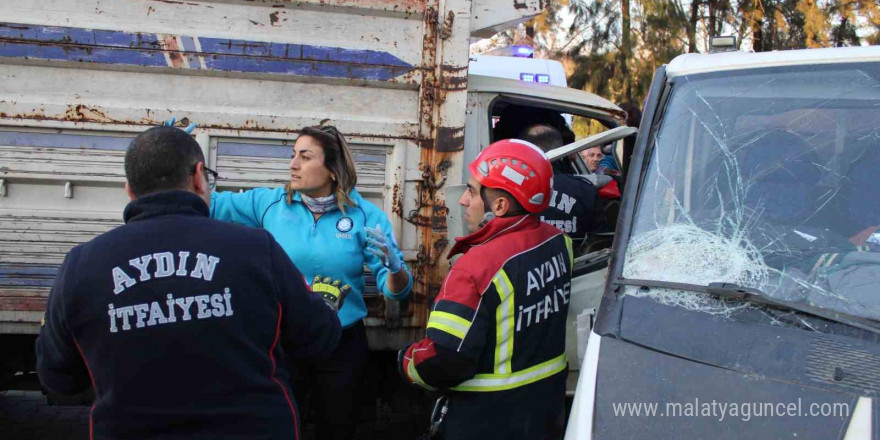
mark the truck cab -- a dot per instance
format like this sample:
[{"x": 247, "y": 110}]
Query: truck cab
[{"x": 741, "y": 299}]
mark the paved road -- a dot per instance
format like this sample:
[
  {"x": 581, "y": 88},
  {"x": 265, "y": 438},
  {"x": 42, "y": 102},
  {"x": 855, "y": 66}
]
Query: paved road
[{"x": 24, "y": 415}]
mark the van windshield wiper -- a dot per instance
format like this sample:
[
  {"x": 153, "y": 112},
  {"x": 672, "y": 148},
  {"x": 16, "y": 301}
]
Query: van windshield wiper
[{"x": 751, "y": 295}]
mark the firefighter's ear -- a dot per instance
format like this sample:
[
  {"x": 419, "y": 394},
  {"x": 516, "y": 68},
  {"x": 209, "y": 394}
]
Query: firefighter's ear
[
  {"x": 500, "y": 206},
  {"x": 128, "y": 191},
  {"x": 199, "y": 183}
]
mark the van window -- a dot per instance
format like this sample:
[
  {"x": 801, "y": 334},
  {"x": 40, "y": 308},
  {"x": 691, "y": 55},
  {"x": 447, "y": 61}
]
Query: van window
[{"x": 767, "y": 179}]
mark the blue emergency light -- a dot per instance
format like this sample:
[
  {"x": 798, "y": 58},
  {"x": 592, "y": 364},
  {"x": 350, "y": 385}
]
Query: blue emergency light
[
  {"x": 523, "y": 51},
  {"x": 540, "y": 78}
]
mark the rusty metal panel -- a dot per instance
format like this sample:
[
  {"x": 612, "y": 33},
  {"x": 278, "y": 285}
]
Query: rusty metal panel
[
  {"x": 390, "y": 74},
  {"x": 442, "y": 98}
]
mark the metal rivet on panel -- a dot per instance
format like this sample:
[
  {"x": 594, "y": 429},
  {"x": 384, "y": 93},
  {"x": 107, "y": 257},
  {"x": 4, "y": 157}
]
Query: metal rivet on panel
[{"x": 68, "y": 190}]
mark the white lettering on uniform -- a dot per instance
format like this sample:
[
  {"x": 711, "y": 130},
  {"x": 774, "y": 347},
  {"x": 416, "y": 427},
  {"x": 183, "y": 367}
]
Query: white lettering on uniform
[
  {"x": 151, "y": 314},
  {"x": 202, "y": 306},
  {"x": 141, "y": 311},
  {"x": 125, "y": 313},
  {"x": 217, "y": 305},
  {"x": 156, "y": 314},
  {"x": 164, "y": 264},
  {"x": 566, "y": 203},
  {"x": 181, "y": 265},
  {"x": 112, "y": 313},
  {"x": 228, "y": 298},
  {"x": 567, "y": 226},
  {"x": 546, "y": 306},
  {"x": 141, "y": 265},
  {"x": 170, "y": 304},
  {"x": 121, "y": 280},
  {"x": 164, "y": 267},
  {"x": 205, "y": 265},
  {"x": 532, "y": 283},
  {"x": 546, "y": 272},
  {"x": 184, "y": 304}
]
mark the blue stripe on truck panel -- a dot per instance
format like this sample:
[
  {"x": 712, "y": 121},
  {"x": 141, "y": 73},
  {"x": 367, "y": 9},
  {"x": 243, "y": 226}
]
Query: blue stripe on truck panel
[
  {"x": 54, "y": 140},
  {"x": 78, "y": 36},
  {"x": 85, "y": 54},
  {"x": 27, "y": 275},
  {"x": 218, "y": 54},
  {"x": 251, "y": 48}
]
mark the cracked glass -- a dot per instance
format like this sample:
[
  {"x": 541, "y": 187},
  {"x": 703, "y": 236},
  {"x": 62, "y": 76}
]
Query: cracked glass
[{"x": 766, "y": 178}]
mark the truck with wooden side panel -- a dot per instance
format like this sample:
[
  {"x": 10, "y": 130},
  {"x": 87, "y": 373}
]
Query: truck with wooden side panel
[{"x": 80, "y": 78}]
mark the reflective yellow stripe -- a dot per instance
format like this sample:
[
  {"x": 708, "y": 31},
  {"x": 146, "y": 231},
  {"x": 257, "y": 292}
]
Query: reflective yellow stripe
[
  {"x": 449, "y": 317},
  {"x": 570, "y": 248},
  {"x": 449, "y": 323},
  {"x": 831, "y": 260},
  {"x": 819, "y": 262},
  {"x": 503, "y": 323},
  {"x": 414, "y": 375},
  {"x": 500, "y": 382},
  {"x": 447, "y": 329}
]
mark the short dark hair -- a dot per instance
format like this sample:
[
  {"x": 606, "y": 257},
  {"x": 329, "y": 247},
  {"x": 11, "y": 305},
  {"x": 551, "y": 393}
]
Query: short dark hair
[
  {"x": 489, "y": 195},
  {"x": 544, "y": 136},
  {"x": 161, "y": 159}
]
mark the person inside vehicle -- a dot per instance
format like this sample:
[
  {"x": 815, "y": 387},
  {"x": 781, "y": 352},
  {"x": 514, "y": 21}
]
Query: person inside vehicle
[
  {"x": 591, "y": 157},
  {"x": 573, "y": 204},
  {"x": 511, "y": 284},
  {"x": 183, "y": 325},
  {"x": 330, "y": 232},
  {"x": 608, "y": 165}
]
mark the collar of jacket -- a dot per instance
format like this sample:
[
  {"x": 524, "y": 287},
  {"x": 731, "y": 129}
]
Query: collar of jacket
[
  {"x": 495, "y": 228},
  {"x": 353, "y": 194},
  {"x": 165, "y": 203}
]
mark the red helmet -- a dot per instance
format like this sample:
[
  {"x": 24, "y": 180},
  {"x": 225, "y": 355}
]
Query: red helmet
[{"x": 518, "y": 167}]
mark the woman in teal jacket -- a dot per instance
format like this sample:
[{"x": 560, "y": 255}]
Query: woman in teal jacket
[{"x": 330, "y": 232}]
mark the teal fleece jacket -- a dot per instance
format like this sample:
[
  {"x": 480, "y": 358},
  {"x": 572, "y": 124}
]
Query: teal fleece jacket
[{"x": 333, "y": 246}]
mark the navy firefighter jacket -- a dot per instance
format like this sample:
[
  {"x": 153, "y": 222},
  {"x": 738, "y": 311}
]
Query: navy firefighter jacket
[
  {"x": 183, "y": 326},
  {"x": 573, "y": 206}
]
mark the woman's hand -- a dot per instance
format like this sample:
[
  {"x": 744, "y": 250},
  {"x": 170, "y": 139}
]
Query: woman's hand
[
  {"x": 170, "y": 123},
  {"x": 377, "y": 244}
]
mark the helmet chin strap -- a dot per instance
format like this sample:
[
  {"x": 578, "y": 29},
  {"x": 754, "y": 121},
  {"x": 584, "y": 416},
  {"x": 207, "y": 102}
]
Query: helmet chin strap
[{"x": 487, "y": 217}]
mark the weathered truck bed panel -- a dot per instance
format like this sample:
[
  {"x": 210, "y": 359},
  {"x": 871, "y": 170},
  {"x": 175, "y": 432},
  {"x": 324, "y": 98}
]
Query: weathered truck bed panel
[{"x": 79, "y": 78}]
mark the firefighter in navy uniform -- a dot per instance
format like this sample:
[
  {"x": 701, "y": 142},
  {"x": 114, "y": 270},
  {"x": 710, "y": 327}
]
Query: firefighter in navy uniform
[
  {"x": 574, "y": 203},
  {"x": 495, "y": 338},
  {"x": 182, "y": 324}
]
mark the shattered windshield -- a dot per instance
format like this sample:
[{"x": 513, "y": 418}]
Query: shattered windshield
[{"x": 769, "y": 179}]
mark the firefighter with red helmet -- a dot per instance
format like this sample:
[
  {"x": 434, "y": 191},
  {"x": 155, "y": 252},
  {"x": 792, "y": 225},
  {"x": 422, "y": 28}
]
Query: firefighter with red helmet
[{"x": 495, "y": 338}]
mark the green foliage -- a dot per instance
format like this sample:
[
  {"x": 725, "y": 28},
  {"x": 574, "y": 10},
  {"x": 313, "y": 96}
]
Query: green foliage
[{"x": 613, "y": 47}]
